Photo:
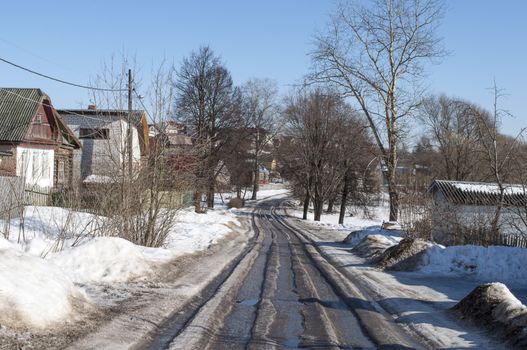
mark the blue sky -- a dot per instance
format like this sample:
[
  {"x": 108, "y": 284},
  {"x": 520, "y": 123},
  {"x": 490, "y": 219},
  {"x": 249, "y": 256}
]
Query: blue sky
[{"x": 266, "y": 39}]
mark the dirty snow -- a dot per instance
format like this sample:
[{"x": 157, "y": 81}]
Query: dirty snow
[
  {"x": 194, "y": 232},
  {"x": 44, "y": 266}
]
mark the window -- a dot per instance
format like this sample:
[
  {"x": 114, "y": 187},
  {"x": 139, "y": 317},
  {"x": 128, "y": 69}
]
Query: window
[
  {"x": 36, "y": 166},
  {"x": 94, "y": 133},
  {"x": 24, "y": 163},
  {"x": 38, "y": 119},
  {"x": 45, "y": 168}
]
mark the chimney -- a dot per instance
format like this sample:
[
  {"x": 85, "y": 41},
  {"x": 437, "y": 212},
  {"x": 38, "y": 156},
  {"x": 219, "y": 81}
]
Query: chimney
[{"x": 92, "y": 107}]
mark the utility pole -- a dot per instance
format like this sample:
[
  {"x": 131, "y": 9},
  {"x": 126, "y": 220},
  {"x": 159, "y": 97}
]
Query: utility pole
[{"x": 129, "y": 134}]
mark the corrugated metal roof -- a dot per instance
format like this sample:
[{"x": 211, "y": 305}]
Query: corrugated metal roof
[
  {"x": 479, "y": 193},
  {"x": 17, "y": 108}
]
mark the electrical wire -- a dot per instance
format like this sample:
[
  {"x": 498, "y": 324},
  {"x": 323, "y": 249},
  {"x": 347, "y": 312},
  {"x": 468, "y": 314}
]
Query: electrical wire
[
  {"x": 49, "y": 105},
  {"x": 60, "y": 80}
]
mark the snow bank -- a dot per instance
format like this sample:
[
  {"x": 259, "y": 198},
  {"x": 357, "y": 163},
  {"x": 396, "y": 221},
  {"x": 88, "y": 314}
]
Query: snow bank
[
  {"x": 496, "y": 308},
  {"x": 103, "y": 260},
  {"x": 406, "y": 255},
  {"x": 495, "y": 263},
  {"x": 43, "y": 225},
  {"x": 33, "y": 291},
  {"x": 357, "y": 236},
  {"x": 372, "y": 246},
  {"x": 194, "y": 232}
]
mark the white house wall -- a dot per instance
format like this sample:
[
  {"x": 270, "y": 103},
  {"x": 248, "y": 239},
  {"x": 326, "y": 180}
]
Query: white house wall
[
  {"x": 36, "y": 166},
  {"x": 102, "y": 156}
]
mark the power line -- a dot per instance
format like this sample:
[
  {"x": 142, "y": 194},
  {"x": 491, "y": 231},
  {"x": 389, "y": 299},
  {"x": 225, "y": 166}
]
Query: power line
[
  {"x": 143, "y": 105},
  {"x": 60, "y": 80},
  {"x": 70, "y": 112}
]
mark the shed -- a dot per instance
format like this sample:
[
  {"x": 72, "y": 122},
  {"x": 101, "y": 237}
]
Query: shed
[{"x": 462, "y": 208}]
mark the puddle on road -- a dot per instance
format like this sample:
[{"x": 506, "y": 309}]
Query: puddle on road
[
  {"x": 292, "y": 342},
  {"x": 248, "y": 302}
]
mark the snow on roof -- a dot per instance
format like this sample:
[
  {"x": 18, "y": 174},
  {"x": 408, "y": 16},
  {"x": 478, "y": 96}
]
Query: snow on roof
[{"x": 479, "y": 193}]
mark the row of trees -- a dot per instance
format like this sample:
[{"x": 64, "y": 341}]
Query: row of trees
[
  {"x": 348, "y": 119},
  {"x": 326, "y": 151},
  {"x": 231, "y": 125}
]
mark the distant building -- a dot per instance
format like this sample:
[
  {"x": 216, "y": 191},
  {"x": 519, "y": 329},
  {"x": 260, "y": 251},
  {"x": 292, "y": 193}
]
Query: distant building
[
  {"x": 461, "y": 209},
  {"x": 35, "y": 142},
  {"x": 103, "y": 134}
]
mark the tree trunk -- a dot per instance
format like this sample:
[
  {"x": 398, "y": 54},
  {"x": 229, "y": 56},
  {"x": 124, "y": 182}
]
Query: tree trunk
[
  {"x": 210, "y": 191},
  {"x": 319, "y": 205},
  {"x": 394, "y": 196},
  {"x": 344, "y": 198},
  {"x": 306, "y": 205},
  {"x": 318, "y": 202},
  {"x": 331, "y": 203},
  {"x": 256, "y": 179},
  {"x": 210, "y": 198},
  {"x": 197, "y": 202}
]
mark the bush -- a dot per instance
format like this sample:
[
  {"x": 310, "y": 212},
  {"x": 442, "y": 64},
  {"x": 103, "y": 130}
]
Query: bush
[{"x": 236, "y": 203}]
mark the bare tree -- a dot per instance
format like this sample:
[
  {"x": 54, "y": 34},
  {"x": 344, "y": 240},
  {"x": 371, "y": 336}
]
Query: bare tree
[
  {"x": 140, "y": 201},
  {"x": 314, "y": 119},
  {"x": 356, "y": 150},
  {"x": 375, "y": 53},
  {"x": 260, "y": 109},
  {"x": 454, "y": 131},
  {"x": 208, "y": 102},
  {"x": 499, "y": 152}
]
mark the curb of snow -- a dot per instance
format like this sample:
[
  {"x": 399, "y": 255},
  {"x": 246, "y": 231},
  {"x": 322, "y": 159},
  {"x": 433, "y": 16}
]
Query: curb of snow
[
  {"x": 494, "y": 307},
  {"x": 135, "y": 326}
]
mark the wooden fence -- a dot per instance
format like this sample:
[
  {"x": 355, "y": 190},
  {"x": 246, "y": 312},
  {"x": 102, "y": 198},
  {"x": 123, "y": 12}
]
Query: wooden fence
[
  {"x": 513, "y": 241},
  {"x": 11, "y": 196},
  {"x": 35, "y": 195}
]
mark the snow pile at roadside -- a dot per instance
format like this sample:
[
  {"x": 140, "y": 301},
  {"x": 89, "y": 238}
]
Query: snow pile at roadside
[
  {"x": 33, "y": 291},
  {"x": 194, "y": 232},
  {"x": 357, "y": 236},
  {"x": 372, "y": 246},
  {"x": 495, "y": 263},
  {"x": 103, "y": 260},
  {"x": 496, "y": 308},
  {"x": 405, "y": 256}
]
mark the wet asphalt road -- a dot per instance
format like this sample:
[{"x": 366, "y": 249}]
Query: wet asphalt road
[
  {"x": 285, "y": 301},
  {"x": 279, "y": 293}
]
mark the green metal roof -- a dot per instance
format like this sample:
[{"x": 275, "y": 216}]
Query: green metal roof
[{"x": 17, "y": 108}]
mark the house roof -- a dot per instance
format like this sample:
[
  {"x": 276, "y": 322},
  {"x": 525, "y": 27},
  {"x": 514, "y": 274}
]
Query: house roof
[
  {"x": 138, "y": 120},
  {"x": 137, "y": 115},
  {"x": 479, "y": 193},
  {"x": 17, "y": 109}
]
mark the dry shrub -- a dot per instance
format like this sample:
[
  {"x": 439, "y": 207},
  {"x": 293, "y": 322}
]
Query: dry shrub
[{"x": 236, "y": 202}]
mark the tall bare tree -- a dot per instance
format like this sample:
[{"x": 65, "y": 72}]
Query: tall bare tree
[
  {"x": 209, "y": 103},
  {"x": 499, "y": 152},
  {"x": 260, "y": 109},
  {"x": 313, "y": 119},
  {"x": 453, "y": 128},
  {"x": 375, "y": 53}
]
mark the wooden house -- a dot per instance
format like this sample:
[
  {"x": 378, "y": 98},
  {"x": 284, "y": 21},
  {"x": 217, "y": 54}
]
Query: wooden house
[{"x": 35, "y": 143}]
